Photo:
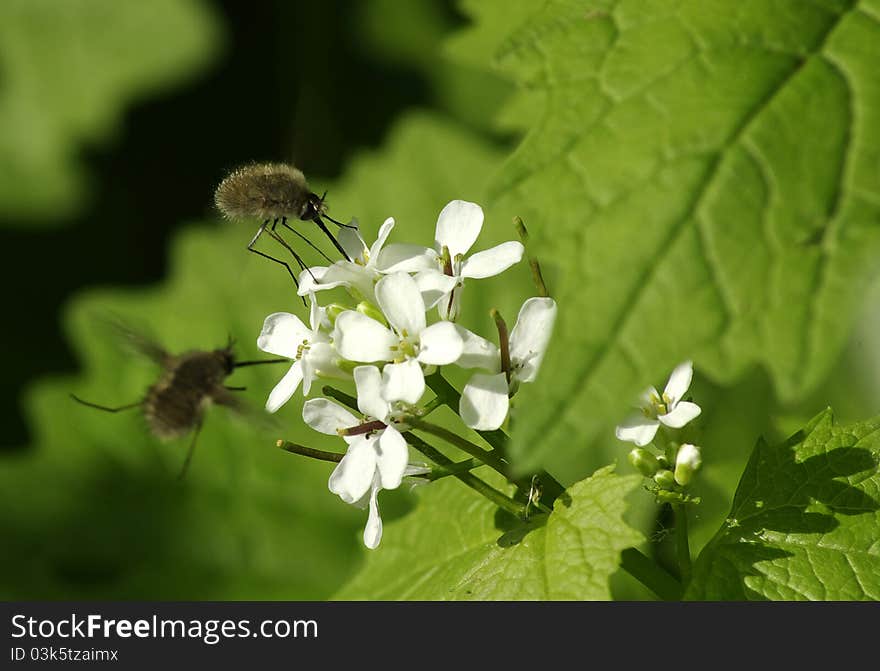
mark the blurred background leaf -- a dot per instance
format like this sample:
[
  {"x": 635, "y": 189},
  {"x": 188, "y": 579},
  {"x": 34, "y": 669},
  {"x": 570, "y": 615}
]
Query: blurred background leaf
[{"x": 68, "y": 71}]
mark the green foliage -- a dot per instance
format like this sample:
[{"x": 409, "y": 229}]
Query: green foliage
[
  {"x": 804, "y": 523},
  {"x": 701, "y": 180},
  {"x": 458, "y": 546},
  {"x": 412, "y": 34},
  {"x": 92, "y": 510},
  {"x": 68, "y": 70}
]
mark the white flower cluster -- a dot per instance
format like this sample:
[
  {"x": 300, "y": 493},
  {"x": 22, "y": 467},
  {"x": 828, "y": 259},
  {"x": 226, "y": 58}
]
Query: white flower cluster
[
  {"x": 675, "y": 466},
  {"x": 386, "y": 346}
]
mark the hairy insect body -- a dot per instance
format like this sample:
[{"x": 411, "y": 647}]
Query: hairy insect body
[
  {"x": 266, "y": 191},
  {"x": 190, "y": 382}
]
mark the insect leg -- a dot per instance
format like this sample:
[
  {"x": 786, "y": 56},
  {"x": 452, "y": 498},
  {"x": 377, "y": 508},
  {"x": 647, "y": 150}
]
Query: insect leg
[
  {"x": 104, "y": 407},
  {"x": 241, "y": 364},
  {"x": 307, "y": 241},
  {"x": 339, "y": 223},
  {"x": 251, "y": 248},
  {"x": 327, "y": 232},
  {"x": 189, "y": 452},
  {"x": 235, "y": 388},
  {"x": 281, "y": 241}
]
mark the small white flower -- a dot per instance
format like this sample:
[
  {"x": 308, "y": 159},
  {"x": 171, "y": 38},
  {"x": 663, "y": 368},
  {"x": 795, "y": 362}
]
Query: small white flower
[
  {"x": 358, "y": 275},
  {"x": 485, "y": 398},
  {"x": 374, "y": 461},
  {"x": 656, "y": 409},
  {"x": 408, "y": 342},
  {"x": 687, "y": 462},
  {"x": 458, "y": 226},
  {"x": 285, "y": 335}
]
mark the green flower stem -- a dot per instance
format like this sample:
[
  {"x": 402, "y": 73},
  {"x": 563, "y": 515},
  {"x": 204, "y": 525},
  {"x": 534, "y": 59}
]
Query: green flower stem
[
  {"x": 296, "y": 448},
  {"x": 431, "y": 406},
  {"x": 466, "y": 477},
  {"x": 497, "y": 439},
  {"x": 650, "y": 575},
  {"x": 340, "y": 396},
  {"x": 503, "y": 342},
  {"x": 487, "y": 457},
  {"x": 537, "y": 275},
  {"x": 682, "y": 549},
  {"x": 453, "y": 468}
]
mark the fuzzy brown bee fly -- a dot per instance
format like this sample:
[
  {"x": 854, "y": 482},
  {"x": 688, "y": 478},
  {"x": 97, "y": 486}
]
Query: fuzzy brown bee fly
[
  {"x": 275, "y": 192},
  {"x": 190, "y": 382}
]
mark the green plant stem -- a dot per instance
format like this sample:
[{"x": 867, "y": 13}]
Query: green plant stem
[
  {"x": 453, "y": 468},
  {"x": 537, "y": 275},
  {"x": 466, "y": 477},
  {"x": 340, "y": 396},
  {"x": 296, "y": 448},
  {"x": 682, "y": 549},
  {"x": 650, "y": 574},
  {"x": 486, "y": 456},
  {"x": 496, "y": 439}
]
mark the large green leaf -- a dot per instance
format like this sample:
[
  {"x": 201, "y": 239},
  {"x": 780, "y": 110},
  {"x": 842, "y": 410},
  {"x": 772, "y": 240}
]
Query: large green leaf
[
  {"x": 702, "y": 180},
  {"x": 68, "y": 69},
  {"x": 92, "y": 509},
  {"x": 805, "y": 521},
  {"x": 458, "y": 546}
]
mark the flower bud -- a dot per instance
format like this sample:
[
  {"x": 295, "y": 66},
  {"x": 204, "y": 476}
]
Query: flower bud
[
  {"x": 687, "y": 462},
  {"x": 334, "y": 310},
  {"x": 371, "y": 311},
  {"x": 665, "y": 479},
  {"x": 645, "y": 462}
]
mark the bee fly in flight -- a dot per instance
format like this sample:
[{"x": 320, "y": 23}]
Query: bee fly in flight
[
  {"x": 275, "y": 192},
  {"x": 175, "y": 404}
]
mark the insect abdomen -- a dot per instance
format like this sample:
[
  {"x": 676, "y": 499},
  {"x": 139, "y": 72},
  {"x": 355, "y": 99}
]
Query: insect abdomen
[
  {"x": 264, "y": 191},
  {"x": 175, "y": 404}
]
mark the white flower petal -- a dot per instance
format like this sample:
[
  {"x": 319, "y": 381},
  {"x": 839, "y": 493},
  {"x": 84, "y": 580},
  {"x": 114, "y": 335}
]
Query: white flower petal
[
  {"x": 326, "y": 416},
  {"x": 492, "y": 261},
  {"x": 531, "y": 335},
  {"x": 317, "y": 315},
  {"x": 310, "y": 280},
  {"x": 680, "y": 415},
  {"x": 392, "y": 457},
  {"x": 352, "y": 477},
  {"x": 679, "y": 382},
  {"x": 368, "y": 381},
  {"x": 406, "y": 258},
  {"x": 282, "y": 335},
  {"x": 458, "y": 226},
  {"x": 403, "y": 382},
  {"x": 637, "y": 429},
  {"x": 416, "y": 469},
  {"x": 352, "y": 242},
  {"x": 381, "y": 237},
  {"x": 484, "y": 402},
  {"x": 359, "y": 338},
  {"x": 285, "y": 388},
  {"x": 440, "y": 344},
  {"x": 477, "y": 352},
  {"x": 434, "y": 286},
  {"x": 401, "y": 303},
  {"x": 349, "y": 275},
  {"x": 689, "y": 455},
  {"x": 320, "y": 358},
  {"x": 373, "y": 528}
]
